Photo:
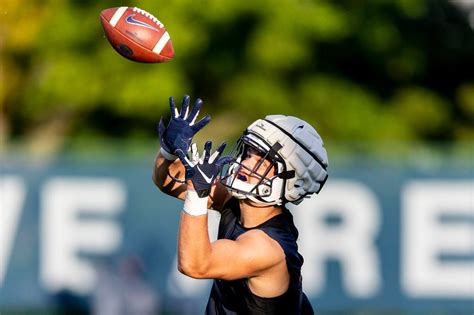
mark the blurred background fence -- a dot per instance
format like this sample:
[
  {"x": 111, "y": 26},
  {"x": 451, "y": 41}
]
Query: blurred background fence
[{"x": 388, "y": 84}]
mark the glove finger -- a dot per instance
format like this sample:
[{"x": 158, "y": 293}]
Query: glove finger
[
  {"x": 173, "y": 110},
  {"x": 221, "y": 148},
  {"x": 194, "y": 153},
  {"x": 207, "y": 151},
  {"x": 195, "y": 112},
  {"x": 217, "y": 153},
  {"x": 161, "y": 132},
  {"x": 183, "y": 158},
  {"x": 224, "y": 160},
  {"x": 200, "y": 124},
  {"x": 161, "y": 127},
  {"x": 184, "y": 107}
]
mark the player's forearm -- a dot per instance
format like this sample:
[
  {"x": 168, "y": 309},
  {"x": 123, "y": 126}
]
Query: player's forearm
[
  {"x": 194, "y": 247},
  {"x": 161, "y": 168}
]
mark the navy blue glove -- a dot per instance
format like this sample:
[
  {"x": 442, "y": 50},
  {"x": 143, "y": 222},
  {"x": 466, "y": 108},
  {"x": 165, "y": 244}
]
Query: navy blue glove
[
  {"x": 203, "y": 171},
  {"x": 182, "y": 126}
]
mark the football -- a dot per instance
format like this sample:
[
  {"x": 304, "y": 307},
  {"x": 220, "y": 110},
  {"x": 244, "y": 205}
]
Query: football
[{"x": 137, "y": 35}]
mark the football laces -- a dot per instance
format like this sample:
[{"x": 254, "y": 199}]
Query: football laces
[{"x": 148, "y": 15}]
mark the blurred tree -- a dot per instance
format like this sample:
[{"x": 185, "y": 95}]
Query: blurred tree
[{"x": 360, "y": 72}]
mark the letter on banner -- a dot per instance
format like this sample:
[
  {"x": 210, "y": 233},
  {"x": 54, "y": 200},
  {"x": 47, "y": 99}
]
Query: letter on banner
[
  {"x": 64, "y": 233},
  {"x": 352, "y": 242},
  {"x": 12, "y": 197},
  {"x": 426, "y": 237}
]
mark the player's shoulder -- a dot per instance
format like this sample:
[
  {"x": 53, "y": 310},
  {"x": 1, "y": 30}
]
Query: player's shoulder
[{"x": 261, "y": 242}]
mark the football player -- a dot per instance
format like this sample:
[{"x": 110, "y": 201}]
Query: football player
[{"x": 254, "y": 262}]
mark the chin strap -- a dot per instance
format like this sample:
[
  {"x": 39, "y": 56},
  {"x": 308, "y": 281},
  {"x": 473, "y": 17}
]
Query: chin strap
[{"x": 263, "y": 194}]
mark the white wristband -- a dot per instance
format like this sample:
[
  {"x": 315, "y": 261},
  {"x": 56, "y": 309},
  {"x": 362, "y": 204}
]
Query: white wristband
[
  {"x": 167, "y": 155},
  {"x": 193, "y": 204}
]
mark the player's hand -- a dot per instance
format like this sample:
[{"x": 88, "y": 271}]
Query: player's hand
[
  {"x": 181, "y": 128},
  {"x": 202, "y": 171}
]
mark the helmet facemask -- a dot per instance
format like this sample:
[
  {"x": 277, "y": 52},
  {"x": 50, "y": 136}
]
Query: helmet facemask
[{"x": 255, "y": 183}]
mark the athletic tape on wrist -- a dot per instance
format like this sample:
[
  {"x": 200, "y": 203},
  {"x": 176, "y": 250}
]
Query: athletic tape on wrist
[
  {"x": 167, "y": 155},
  {"x": 193, "y": 204}
]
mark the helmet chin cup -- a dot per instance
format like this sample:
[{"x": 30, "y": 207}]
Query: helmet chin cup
[
  {"x": 237, "y": 187},
  {"x": 261, "y": 193}
]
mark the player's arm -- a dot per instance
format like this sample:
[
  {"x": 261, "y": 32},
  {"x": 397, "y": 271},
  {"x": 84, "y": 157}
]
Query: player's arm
[
  {"x": 251, "y": 254},
  {"x": 168, "y": 176},
  {"x": 168, "y": 172}
]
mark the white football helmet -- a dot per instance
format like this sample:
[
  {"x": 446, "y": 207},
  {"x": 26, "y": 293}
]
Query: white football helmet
[{"x": 296, "y": 151}]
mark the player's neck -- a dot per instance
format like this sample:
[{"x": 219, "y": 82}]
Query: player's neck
[{"x": 251, "y": 216}]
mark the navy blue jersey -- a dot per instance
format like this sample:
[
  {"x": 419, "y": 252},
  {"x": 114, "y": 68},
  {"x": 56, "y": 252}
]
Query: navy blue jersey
[{"x": 235, "y": 297}]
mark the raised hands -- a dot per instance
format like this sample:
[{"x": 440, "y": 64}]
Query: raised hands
[{"x": 181, "y": 127}]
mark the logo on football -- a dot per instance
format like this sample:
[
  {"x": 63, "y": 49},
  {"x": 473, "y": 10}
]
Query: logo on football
[
  {"x": 131, "y": 20},
  {"x": 137, "y": 35}
]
